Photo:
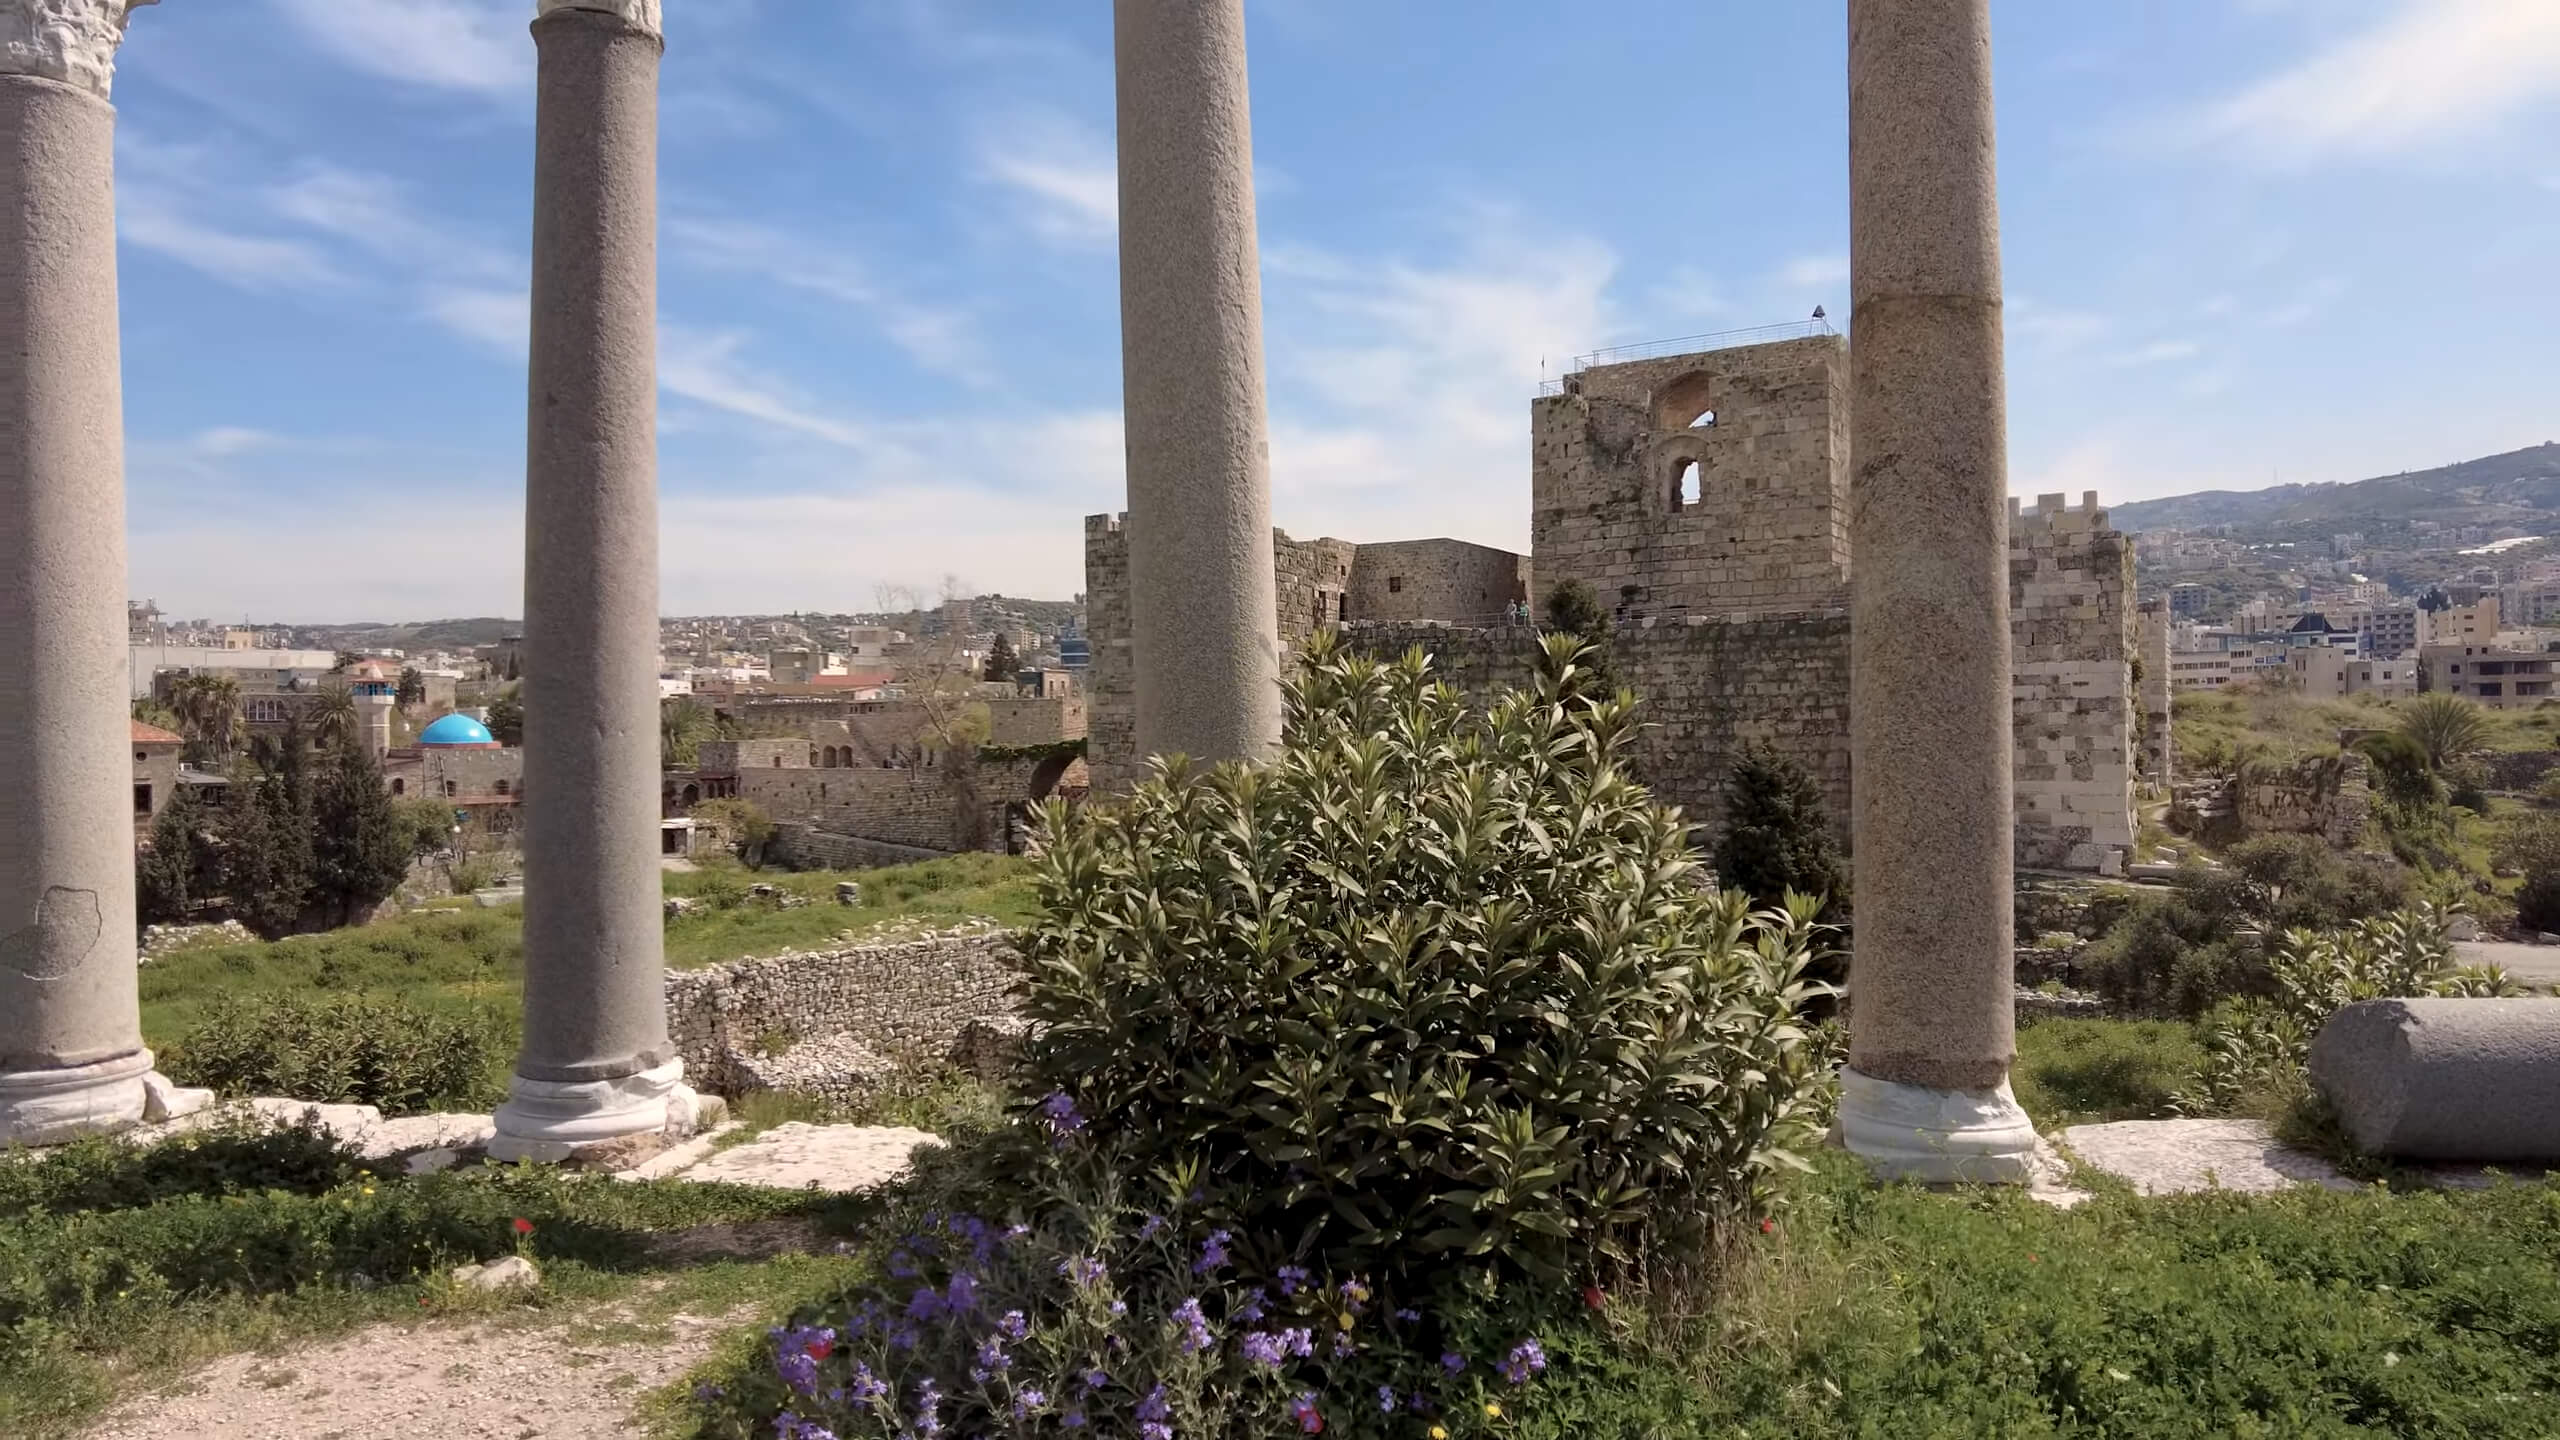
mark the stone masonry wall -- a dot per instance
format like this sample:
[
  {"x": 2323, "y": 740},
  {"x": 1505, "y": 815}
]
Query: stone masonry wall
[
  {"x": 1769, "y": 530},
  {"x": 803, "y": 846},
  {"x": 2327, "y": 796},
  {"x": 1111, "y": 745},
  {"x": 1436, "y": 580},
  {"x": 2158, "y": 740},
  {"x": 1709, "y": 689},
  {"x": 924, "y": 808},
  {"x": 910, "y": 999},
  {"x": 2071, "y": 684}
]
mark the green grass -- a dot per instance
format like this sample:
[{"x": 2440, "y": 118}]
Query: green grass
[
  {"x": 121, "y": 1269},
  {"x": 2286, "y": 725},
  {"x": 2080, "y": 1072},
  {"x": 471, "y": 960}
]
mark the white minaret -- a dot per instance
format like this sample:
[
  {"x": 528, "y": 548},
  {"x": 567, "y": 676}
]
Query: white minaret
[{"x": 375, "y": 696}]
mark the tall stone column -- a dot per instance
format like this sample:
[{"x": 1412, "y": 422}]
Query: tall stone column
[
  {"x": 1926, "y": 1095},
  {"x": 1204, "y": 621},
  {"x": 72, "y": 1060},
  {"x": 596, "y": 1065},
  {"x": 2158, "y": 744}
]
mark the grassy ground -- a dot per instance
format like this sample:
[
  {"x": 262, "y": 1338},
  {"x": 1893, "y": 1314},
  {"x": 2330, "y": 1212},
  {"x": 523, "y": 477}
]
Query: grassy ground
[
  {"x": 212, "y": 1252},
  {"x": 2285, "y": 725},
  {"x": 2081, "y": 1072},
  {"x": 470, "y": 960}
]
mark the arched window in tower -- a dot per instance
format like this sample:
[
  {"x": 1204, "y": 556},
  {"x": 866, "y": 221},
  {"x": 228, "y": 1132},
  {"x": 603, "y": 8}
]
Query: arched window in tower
[
  {"x": 1684, "y": 403},
  {"x": 1685, "y": 482}
]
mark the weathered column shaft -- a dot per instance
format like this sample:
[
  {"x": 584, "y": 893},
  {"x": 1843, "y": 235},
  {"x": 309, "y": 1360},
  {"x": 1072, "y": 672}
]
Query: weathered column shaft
[
  {"x": 71, "y": 1053},
  {"x": 596, "y": 1063},
  {"x": 1204, "y": 621},
  {"x": 1932, "y": 1021}
]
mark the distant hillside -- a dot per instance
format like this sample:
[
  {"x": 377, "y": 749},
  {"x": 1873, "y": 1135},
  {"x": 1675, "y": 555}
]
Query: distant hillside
[
  {"x": 2519, "y": 487},
  {"x": 414, "y": 634}
]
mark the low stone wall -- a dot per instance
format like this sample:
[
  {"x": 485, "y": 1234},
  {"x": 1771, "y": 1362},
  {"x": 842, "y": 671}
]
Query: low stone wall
[
  {"x": 906, "y": 1000},
  {"x": 803, "y": 846},
  {"x": 2327, "y": 796}
]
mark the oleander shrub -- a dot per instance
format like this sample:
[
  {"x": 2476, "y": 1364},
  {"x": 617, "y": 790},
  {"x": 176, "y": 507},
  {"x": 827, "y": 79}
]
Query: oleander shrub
[
  {"x": 351, "y": 1049},
  {"x": 1432, "y": 988},
  {"x": 2256, "y": 1047}
]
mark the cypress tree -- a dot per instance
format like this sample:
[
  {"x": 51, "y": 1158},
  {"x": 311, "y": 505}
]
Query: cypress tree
[
  {"x": 361, "y": 841},
  {"x": 1777, "y": 835}
]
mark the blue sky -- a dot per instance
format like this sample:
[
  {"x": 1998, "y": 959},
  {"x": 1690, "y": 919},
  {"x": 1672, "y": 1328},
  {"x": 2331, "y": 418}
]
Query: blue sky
[{"x": 2246, "y": 240}]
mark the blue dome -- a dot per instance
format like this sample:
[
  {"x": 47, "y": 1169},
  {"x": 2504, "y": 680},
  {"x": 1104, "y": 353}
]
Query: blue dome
[{"x": 456, "y": 729}]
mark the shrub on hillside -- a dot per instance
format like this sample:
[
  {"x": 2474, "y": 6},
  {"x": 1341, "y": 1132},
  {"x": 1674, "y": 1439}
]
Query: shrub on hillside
[
  {"x": 2180, "y": 954},
  {"x": 1428, "y": 989},
  {"x": 342, "y": 1049}
]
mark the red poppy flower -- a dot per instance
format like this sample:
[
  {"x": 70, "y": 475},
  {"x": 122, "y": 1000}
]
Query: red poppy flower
[
  {"x": 822, "y": 1347},
  {"x": 523, "y": 1226},
  {"x": 1768, "y": 1227},
  {"x": 1593, "y": 1297}
]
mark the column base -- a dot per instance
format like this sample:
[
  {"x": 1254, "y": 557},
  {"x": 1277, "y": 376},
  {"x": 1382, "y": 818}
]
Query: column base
[
  {"x": 549, "y": 1121},
  {"x": 1911, "y": 1132},
  {"x": 48, "y": 1107}
]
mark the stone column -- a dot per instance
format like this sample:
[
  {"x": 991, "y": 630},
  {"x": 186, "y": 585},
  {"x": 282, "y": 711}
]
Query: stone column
[
  {"x": 71, "y": 1055},
  {"x": 596, "y": 1065},
  {"x": 1204, "y": 621},
  {"x": 1926, "y": 1094}
]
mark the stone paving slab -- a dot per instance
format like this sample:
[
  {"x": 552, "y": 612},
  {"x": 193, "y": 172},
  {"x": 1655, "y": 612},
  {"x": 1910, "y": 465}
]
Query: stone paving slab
[
  {"x": 2534, "y": 965},
  {"x": 2179, "y": 1157},
  {"x": 360, "y": 1125},
  {"x": 799, "y": 1156}
]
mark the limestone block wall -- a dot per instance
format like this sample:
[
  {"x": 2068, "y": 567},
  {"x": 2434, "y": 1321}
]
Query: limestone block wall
[
  {"x": 1436, "y": 580},
  {"x": 1311, "y": 578},
  {"x": 2071, "y": 684},
  {"x": 1709, "y": 689},
  {"x": 909, "y": 999},
  {"x": 2158, "y": 738},
  {"x": 2328, "y": 796},
  {"x": 1766, "y": 430},
  {"x": 1111, "y": 699},
  {"x": 939, "y": 808}
]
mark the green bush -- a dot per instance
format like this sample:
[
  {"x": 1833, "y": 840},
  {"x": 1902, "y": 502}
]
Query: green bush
[
  {"x": 1777, "y": 835},
  {"x": 346, "y": 1049},
  {"x": 2180, "y": 954},
  {"x": 2255, "y": 1047},
  {"x": 1428, "y": 988},
  {"x": 111, "y": 1174}
]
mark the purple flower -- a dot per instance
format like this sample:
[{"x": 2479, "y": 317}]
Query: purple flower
[
  {"x": 1013, "y": 1326},
  {"x": 903, "y": 1338},
  {"x": 1387, "y": 1399},
  {"x": 1355, "y": 1296},
  {"x": 1027, "y": 1400},
  {"x": 902, "y": 1266},
  {"x": 1059, "y": 1110},
  {"x": 1073, "y": 1420},
  {"x": 1409, "y": 1317},
  {"x": 868, "y": 1390},
  {"x": 962, "y": 1294},
  {"x": 992, "y": 1360},
  {"x": 1251, "y": 1308},
  {"x": 1213, "y": 1252},
  {"x": 1153, "y": 1227},
  {"x": 1263, "y": 1348},
  {"x": 1096, "y": 1378},
  {"x": 1304, "y": 1411},
  {"x": 797, "y": 1371},
  {"x": 1082, "y": 1269},
  {"x": 1301, "y": 1342},
  {"x": 1343, "y": 1344},
  {"x": 1291, "y": 1277},
  {"x": 1153, "y": 1413},
  {"x": 924, "y": 1304},
  {"x": 1526, "y": 1359},
  {"x": 928, "y": 1410},
  {"x": 1453, "y": 1362},
  {"x": 1195, "y": 1326}
]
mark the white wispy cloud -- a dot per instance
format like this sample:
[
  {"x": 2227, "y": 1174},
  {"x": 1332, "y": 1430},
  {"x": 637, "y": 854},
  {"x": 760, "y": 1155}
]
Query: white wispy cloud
[
  {"x": 1825, "y": 271},
  {"x": 476, "y": 46},
  {"x": 1064, "y": 174},
  {"x": 1689, "y": 293},
  {"x": 160, "y": 220},
  {"x": 704, "y": 367},
  {"x": 375, "y": 213},
  {"x": 2053, "y": 326},
  {"x": 2160, "y": 352},
  {"x": 224, "y": 441},
  {"x": 2429, "y": 71},
  {"x": 941, "y": 338}
]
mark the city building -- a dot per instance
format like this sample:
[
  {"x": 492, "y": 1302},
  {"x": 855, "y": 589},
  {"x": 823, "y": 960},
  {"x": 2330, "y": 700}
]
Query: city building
[{"x": 2499, "y": 677}]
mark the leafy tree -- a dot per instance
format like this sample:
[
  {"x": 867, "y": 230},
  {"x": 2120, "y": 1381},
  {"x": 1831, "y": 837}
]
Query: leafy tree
[
  {"x": 168, "y": 874},
  {"x": 413, "y": 687},
  {"x": 2445, "y": 727},
  {"x": 1573, "y": 610},
  {"x": 344, "y": 661},
  {"x": 2401, "y": 769},
  {"x": 1001, "y": 661},
  {"x": 742, "y": 823},
  {"x": 362, "y": 843},
  {"x": 262, "y": 866},
  {"x": 333, "y": 718},
  {"x": 210, "y": 716},
  {"x": 506, "y": 716},
  {"x": 152, "y": 712},
  {"x": 1777, "y": 835},
  {"x": 683, "y": 724}
]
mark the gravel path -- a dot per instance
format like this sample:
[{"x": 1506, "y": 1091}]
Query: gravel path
[{"x": 470, "y": 1381}]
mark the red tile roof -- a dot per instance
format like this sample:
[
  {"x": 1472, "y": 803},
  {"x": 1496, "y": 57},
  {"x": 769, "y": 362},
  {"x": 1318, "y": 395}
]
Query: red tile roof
[{"x": 154, "y": 735}]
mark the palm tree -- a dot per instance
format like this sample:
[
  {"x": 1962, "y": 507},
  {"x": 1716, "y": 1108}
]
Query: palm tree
[
  {"x": 208, "y": 708},
  {"x": 682, "y": 726},
  {"x": 333, "y": 719},
  {"x": 2446, "y": 727}
]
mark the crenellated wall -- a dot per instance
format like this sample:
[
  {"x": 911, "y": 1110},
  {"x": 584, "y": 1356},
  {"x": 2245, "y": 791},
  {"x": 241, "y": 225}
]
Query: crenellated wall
[{"x": 2071, "y": 685}]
